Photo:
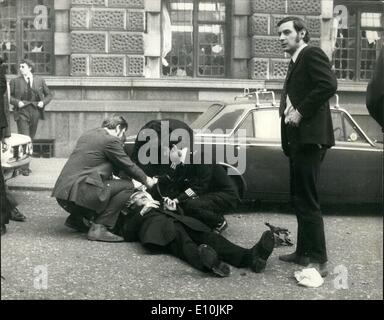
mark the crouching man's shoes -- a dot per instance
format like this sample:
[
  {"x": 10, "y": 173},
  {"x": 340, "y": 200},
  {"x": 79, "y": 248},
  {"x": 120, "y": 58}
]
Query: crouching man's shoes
[
  {"x": 210, "y": 260},
  {"x": 16, "y": 215},
  {"x": 261, "y": 251},
  {"x": 78, "y": 223},
  {"x": 99, "y": 232},
  {"x": 322, "y": 268},
  {"x": 295, "y": 258},
  {"x": 26, "y": 171}
]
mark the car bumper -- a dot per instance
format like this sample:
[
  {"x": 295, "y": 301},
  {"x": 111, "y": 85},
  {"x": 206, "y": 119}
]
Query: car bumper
[{"x": 11, "y": 170}]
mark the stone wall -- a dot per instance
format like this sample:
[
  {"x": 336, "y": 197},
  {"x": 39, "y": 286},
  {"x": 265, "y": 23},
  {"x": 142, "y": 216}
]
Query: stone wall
[
  {"x": 107, "y": 37},
  {"x": 268, "y": 61}
]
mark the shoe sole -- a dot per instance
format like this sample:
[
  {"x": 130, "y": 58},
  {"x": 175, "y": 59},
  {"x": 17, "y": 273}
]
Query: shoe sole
[
  {"x": 101, "y": 240},
  {"x": 259, "y": 265},
  {"x": 18, "y": 220},
  {"x": 75, "y": 228},
  {"x": 222, "y": 270},
  {"x": 267, "y": 243},
  {"x": 299, "y": 262},
  {"x": 210, "y": 260}
]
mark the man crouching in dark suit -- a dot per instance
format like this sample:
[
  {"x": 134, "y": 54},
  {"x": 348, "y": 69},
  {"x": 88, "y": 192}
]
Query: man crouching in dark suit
[
  {"x": 85, "y": 187},
  {"x": 187, "y": 238},
  {"x": 306, "y": 134}
]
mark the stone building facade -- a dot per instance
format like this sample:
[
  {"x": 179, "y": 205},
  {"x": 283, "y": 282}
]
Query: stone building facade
[{"x": 103, "y": 56}]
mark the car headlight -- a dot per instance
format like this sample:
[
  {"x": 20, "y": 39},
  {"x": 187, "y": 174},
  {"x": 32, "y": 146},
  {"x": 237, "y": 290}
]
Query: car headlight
[
  {"x": 7, "y": 156},
  {"x": 29, "y": 148},
  {"x": 21, "y": 151}
]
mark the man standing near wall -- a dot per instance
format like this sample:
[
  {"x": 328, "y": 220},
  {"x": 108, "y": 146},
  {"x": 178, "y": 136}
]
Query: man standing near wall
[
  {"x": 306, "y": 133},
  {"x": 29, "y": 96}
]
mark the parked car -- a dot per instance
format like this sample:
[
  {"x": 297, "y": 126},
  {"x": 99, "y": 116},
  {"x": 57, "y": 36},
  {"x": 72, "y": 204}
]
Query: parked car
[
  {"x": 351, "y": 172},
  {"x": 17, "y": 156}
]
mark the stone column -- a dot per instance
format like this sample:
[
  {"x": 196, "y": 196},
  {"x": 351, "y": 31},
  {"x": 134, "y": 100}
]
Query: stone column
[
  {"x": 62, "y": 40},
  {"x": 240, "y": 39},
  {"x": 107, "y": 37},
  {"x": 268, "y": 61}
]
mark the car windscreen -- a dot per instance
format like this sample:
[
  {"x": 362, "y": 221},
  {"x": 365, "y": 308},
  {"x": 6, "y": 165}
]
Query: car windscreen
[
  {"x": 207, "y": 116},
  {"x": 226, "y": 120}
]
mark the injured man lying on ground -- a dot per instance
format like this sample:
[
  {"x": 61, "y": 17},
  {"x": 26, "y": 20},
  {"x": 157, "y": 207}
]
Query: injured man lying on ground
[{"x": 161, "y": 230}]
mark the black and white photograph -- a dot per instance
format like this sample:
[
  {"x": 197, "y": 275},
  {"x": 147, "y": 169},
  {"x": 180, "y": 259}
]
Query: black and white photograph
[{"x": 195, "y": 155}]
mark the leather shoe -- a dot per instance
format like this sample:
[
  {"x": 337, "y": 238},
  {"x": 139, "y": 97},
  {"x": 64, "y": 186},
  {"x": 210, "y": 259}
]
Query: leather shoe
[
  {"x": 99, "y": 232},
  {"x": 261, "y": 251},
  {"x": 26, "y": 171},
  {"x": 210, "y": 260},
  {"x": 295, "y": 258},
  {"x": 3, "y": 229},
  {"x": 322, "y": 268},
  {"x": 77, "y": 222},
  {"x": 16, "y": 215}
]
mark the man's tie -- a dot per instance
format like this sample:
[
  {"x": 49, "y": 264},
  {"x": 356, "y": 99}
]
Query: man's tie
[
  {"x": 283, "y": 99},
  {"x": 29, "y": 90}
]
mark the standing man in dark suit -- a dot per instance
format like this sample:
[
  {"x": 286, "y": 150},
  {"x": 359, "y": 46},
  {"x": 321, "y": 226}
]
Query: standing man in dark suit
[
  {"x": 29, "y": 96},
  {"x": 306, "y": 134},
  {"x": 375, "y": 92},
  {"x": 188, "y": 238},
  {"x": 86, "y": 188},
  {"x": 5, "y": 133}
]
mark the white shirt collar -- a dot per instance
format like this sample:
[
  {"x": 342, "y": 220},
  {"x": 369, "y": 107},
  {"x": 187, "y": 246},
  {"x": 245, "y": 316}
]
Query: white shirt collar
[
  {"x": 30, "y": 76},
  {"x": 297, "y": 52}
]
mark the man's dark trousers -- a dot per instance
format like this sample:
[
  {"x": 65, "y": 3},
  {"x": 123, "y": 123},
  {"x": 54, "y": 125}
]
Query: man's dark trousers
[
  {"x": 120, "y": 190},
  {"x": 28, "y": 121},
  {"x": 185, "y": 246},
  {"x": 305, "y": 163}
]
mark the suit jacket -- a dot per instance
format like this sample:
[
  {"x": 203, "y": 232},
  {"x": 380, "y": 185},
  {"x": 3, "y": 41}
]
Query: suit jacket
[
  {"x": 19, "y": 89},
  {"x": 375, "y": 91},
  {"x": 4, "y": 110},
  {"x": 155, "y": 227},
  {"x": 84, "y": 177},
  {"x": 309, "y": 85}
]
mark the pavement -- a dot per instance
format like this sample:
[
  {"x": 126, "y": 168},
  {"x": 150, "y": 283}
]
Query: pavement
[
  {"x": 43, "y": 177},
  {"x": 74, "y": 268},
  {"x": 43, "y": 259}
]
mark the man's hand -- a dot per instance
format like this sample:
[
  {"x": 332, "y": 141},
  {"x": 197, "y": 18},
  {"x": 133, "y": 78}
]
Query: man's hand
[
  {"x": 150, "y": 204},
  {"x": 21, "y": 104},
  {"x": 293, "y": 118},
  {"x": 40, "y": 104},
  {"x": 170, "y": 204},
  {"x": 5, "y": 144},
  {"x": 151, "y": 182}
]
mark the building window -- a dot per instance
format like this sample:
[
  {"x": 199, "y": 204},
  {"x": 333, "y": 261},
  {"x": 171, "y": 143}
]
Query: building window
[
  {"x": 195, "y": 37},
  {"x": 358, "y": 37},
  {"x": 26, "y": 32}
]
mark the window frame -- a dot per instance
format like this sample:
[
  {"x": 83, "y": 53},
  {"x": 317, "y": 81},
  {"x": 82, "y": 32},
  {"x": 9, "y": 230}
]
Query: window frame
[
  {"x": 360, "y": 7},
  {"x": 227, "y": 23},
  {"x": 19, "y": 38}
]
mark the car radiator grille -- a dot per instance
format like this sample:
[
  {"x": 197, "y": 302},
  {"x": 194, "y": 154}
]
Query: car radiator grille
[{"x": 19, "y": 152}]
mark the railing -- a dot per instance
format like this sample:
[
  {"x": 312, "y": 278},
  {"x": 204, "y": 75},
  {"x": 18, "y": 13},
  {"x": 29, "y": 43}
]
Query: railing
[{"x": 255, "y": 94}]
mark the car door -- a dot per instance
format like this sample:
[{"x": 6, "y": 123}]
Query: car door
[
  {"x": 352, "y": 169},
  {"x": 267, "y": 170}
]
